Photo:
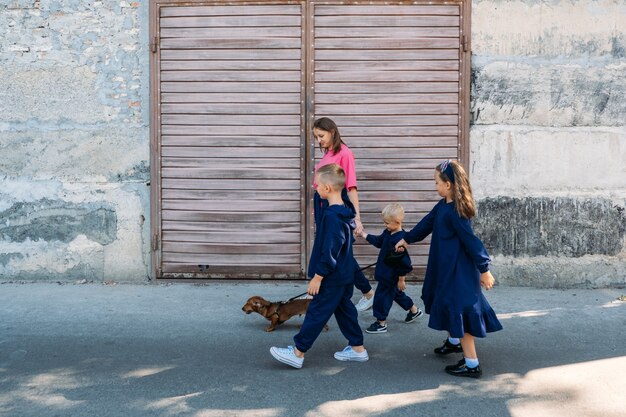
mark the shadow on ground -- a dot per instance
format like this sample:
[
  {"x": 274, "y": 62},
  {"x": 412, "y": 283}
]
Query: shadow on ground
[{"x": 184, "y": 350}]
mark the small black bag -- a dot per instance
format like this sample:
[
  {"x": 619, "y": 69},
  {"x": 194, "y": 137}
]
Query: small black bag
[{"x": 393, "y": 258}]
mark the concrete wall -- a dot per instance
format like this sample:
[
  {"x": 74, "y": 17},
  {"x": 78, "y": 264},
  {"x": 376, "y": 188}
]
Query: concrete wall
[
  {"x": 74, "y": 140},
  {"x": 548, "y": 141}
]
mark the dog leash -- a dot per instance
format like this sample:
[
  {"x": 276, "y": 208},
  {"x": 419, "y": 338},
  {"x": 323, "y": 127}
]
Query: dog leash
[
  {"x": 306, "y": 292},
  {"x": 281, "y": 303}
]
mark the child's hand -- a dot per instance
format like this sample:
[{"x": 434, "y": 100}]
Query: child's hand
[
  {"x": 401, "y": 245},
  {"x": 401, "y": 284},
  {"x": 487, "y": 280},
  {"x": 314, "y": 285},
  {"x": 363, "y": 234}
]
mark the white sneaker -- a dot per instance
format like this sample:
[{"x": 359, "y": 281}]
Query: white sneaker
[
  {"x": 348, "y": 354},
  {"x": 365, "y": 303},
  {"x": 287, "y": 355}
]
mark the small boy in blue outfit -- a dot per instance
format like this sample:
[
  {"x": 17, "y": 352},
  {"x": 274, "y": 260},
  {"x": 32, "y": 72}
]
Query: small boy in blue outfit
[
  {"x": 390, "y": 277},
  {"x": 331, "y": 269}
]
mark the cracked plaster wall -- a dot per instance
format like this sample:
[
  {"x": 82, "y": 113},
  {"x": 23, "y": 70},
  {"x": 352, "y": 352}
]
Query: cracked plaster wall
[
  {"x": 548, "y": 140},
  {"x": 74, "y": 140}
]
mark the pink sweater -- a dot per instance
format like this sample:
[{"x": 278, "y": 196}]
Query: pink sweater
[{"x": 345, "y": 159}]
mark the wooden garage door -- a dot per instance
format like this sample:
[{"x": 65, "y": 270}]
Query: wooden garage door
[
  {"x": 390, "y": 76},
  {"x": 236, "y": 87},
  {"x": 231, "y": 141}
]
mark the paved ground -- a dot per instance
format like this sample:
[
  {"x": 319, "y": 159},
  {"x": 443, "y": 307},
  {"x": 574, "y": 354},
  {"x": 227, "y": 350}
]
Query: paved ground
[{"x": 98, "y": 350}]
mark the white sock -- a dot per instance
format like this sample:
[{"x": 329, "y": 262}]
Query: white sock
[
  {"x": 471, "y": 363},
  {"x": 454, "y": 340}
]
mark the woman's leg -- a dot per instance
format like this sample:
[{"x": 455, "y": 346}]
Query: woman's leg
[{"x": 361, "y": 282}]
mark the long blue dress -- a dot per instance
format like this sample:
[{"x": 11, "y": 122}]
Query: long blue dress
[{"x": 451, "y": 292}]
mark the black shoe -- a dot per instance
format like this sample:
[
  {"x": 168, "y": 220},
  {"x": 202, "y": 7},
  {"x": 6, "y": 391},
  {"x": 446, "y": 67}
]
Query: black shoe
[
  {"x": 461, "y": 369},
  {"x": 410, "y": 317},
  {"x": 448, "y": 348},
  {"x": 376, "y": 327}
]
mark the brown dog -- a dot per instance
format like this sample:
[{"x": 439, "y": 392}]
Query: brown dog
[{"x": 277, "y": 313}]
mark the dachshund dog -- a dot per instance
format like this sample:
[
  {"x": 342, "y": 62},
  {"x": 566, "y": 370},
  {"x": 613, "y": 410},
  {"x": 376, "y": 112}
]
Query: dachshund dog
[{"x": 276, "y": 312}]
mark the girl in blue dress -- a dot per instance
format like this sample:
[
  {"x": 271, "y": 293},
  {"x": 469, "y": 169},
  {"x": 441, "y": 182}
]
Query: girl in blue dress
[{"x": 458, "y": 265}]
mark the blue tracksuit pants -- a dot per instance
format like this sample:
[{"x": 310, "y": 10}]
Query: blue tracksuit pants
[
  {"x": 330, "y": 300},
  {"x": 386, "y": 293}
]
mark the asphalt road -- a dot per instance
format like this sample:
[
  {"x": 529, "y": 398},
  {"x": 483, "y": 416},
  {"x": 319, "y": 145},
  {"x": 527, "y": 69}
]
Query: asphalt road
[{"x": 98, "y": 350}]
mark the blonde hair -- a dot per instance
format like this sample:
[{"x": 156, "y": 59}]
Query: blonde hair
[
  {"x": 393, "y": 211},
  {"x": 461, "y": 190},
  {"x": 333, "y": 175}
]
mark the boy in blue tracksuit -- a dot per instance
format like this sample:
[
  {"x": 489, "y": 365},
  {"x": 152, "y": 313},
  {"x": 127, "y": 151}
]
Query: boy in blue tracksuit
[
  {"x": 390, "y": 277},
  {"x": 331, "y": 269}
]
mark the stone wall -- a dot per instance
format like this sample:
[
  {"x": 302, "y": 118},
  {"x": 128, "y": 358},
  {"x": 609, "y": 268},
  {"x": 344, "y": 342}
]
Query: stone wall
[
  {"x": 74, "y": 140},
  {"x": 548, "y": 141}
]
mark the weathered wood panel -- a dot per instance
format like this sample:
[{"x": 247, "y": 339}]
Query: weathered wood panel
[
  {"x": 229, "y": 259},
  {"x": 242, "y": 205},
  {"x": 231, "y": 236},
  {"x": 231, "y": 107},
  {"x": 440, "y": 65},
  {"x": 221, "y": 227},
  {"x": 231, "y": 134},
  {"x": 387, "y": 87},
  {"x": 392, "y": 32},
  {"x": 193, "y": 97},
  {"x": 389, "y": 77},
  {"x": 229, "y": 87},
  {"x": 231, "y": 141},
  {"x": 230, "y": 21},
  {"x": 229, "y": 216},
  {"x": 238, "y": 152},
  {"x": 203, "y": 269},
  {"x": 228, "y": 32},
  {"x": 233, "y": 247},
  {"x": 375, "y": 98},
  {"x": 230, "y": 54},
  {"x": 236, "y": 76},
  {"x": 220, "y": 130},
  {"x": 385, "y": 10},
  {"x": 355, "y": 19},
  {"x": 216, "y": 184},
  {"x": 224, "y": 10},
  {"x": 231, "y": 195},
  {"x": 379, "y": 54}
]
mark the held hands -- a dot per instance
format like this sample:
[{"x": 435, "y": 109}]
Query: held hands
[
  {"x": 487, "y": 280},
  {"x": 401, "y": 284},
  {"x": 359, "y": 227},
  {"x": 401, "y": 245},
  {"x": 314, "y": 285}
]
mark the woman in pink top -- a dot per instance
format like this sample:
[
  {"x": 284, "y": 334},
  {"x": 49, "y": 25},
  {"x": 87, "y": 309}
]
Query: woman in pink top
[{"x": 335, "y": 151}]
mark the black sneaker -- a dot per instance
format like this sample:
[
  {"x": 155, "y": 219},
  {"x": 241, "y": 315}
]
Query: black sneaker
[
  {"x": 410, "y": 317},
  {"x": 376, "y": 327},
  {"x": 448, "y": 348},
  {"x": 461, "y": 369}
]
